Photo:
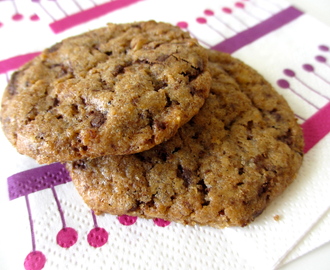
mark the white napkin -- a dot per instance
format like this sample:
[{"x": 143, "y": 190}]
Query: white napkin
[{"x": 49, "y": 227}]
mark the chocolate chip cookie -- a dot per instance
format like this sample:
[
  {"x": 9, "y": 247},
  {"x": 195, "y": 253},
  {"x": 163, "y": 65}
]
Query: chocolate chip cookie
[
  {"x": 120, "y": 89},
  {"x": 221, "y": 169}
]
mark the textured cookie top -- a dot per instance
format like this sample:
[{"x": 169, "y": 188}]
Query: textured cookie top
[
  {"x": 120, "y": 89},
  {"x": 221, "y": 169}
]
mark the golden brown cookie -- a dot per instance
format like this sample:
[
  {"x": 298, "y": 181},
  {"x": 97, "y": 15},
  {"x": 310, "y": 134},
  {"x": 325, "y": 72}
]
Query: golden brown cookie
[
  {"x": 221, "y": 169},
  {"x": 116, "y": 90}
]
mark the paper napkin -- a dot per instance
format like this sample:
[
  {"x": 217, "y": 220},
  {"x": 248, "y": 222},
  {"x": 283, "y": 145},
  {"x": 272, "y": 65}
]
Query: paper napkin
[{"x": 46, "y": 225}]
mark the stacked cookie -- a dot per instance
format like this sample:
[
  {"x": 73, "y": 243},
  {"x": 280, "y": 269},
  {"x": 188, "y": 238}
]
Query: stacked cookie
[{"x": 151, "y": 124}]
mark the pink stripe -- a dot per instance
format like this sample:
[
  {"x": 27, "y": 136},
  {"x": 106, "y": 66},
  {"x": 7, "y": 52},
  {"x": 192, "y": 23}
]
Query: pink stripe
[
  {"x": 89, "y": 14},
  {"x": 316, "y": 127},
  {"x": 33, "y": 180},
  {"x": 16, "y": 62},
  {"x": 250, "y": 35}
]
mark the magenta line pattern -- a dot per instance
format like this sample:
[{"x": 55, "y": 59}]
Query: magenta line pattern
[
  {"x": 67, "y": 236},
  {"x": 59, "y": 207},
  {"x": 250, "y": 35},
  {"x": 89, "y": 14},
  {"x": 15, "y": 62},
  {"x": 31, "y": 223},
  {"x": 290, "y": 73},
  {"x": 97, "y": 237},
  {"x": 286, "y": 85},
  {"x": 35, "y": 259}
]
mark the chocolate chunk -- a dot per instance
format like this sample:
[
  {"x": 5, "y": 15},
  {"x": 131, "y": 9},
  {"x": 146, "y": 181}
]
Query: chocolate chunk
[
  {"x": 162, "y": 57},
  {"x": 160, "y": 125},
  {"x": 287, "y": 137},
  {"x": 79, "y": 164},
  {"x": 241, "y": 171},
  {"x": 184, "y": 174},
  {"x": 159, "y": 84},
  {"x": 259, "y": 161},
  {"x": 12, "y": 86},
  {"x": 162, "y": 154},
  {"x": 55, "y": 47},
  {"x": 202, "y": 187},
  {"x": 98, "y": 119},
  {"x": 276, "y": 115},
  {"x": 263, "y": 189},
  {"x": 118, "y": 70}
]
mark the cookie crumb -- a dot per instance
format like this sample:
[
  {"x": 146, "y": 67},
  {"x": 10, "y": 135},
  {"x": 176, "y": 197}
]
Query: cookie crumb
[{"x": 277, "y": 218}]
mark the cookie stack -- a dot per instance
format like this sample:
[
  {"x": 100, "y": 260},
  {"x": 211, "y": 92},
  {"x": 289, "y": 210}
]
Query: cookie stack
[{"x": 151, "y": 124}]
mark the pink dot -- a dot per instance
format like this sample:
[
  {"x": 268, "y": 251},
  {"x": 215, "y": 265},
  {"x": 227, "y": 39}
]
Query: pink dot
[
  {"x": 17, "y": 17},
  {"x": 208, "y": 12},
  {"x": 227, "y": 10},
  {"x": 161, "y": 222},
  {"x": 1, "y": 24},
  {"x": 35, "y": 260},
  {"x": 289, "y": 72},
  {"x": 127, "y": 220},
  {"x": 321, "y": 59},
  {"x": 324, "y": 48},
  {"x": 67, "y": 237},
  {"x": 97, "y": 237},
  {"x": 283, "y": 84},
  {"x": 308, "y": 67},
  {"x": 34, "y": 17},
  {"x": 182, "y": 25},
  {"x": 201, "y": 20},
  {"x": 239, "y": 5}
]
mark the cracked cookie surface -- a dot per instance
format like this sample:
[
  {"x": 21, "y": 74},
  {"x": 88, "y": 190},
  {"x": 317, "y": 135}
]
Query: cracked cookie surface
[
  {"x": 221, "y": 169},
  {"x": 116, "y": 90}
]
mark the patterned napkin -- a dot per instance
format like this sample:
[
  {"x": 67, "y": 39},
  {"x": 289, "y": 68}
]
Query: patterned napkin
[{"x": 46, "y": 225}]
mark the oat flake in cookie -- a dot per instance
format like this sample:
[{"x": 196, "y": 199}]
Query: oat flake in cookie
[
  {"x": 120, "y": 89},
  {"x": 221, "y": 169}
]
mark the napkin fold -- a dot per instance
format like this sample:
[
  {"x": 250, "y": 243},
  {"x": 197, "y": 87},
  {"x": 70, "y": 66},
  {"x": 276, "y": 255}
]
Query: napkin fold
[{"x": 46, "y": 225}]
